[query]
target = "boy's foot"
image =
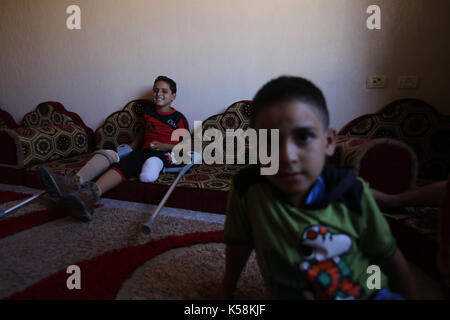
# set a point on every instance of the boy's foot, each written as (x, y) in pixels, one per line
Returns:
(80, 203)
(56, 185)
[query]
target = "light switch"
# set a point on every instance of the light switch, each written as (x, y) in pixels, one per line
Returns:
(376, 81)
(408, 82)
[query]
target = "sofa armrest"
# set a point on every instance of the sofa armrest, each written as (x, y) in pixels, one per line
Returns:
(6, 120)
(23, 147)
(386, 164)
(11, 155)
(443, 256)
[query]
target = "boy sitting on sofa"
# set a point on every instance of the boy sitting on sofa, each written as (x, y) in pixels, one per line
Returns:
(315, 228)
(78, 193)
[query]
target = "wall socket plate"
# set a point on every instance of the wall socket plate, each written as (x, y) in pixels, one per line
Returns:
(376, 81)
(408, 82)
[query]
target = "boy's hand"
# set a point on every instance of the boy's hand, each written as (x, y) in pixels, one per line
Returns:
(159, 146)
(400, 276)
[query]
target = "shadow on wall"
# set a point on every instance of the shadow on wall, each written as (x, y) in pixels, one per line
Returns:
(409, 48)
(148, 94)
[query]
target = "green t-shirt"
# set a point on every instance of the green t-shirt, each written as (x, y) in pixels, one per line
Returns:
(325, 251)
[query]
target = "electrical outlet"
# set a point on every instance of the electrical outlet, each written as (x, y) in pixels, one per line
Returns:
(408, 82)
(376, 81)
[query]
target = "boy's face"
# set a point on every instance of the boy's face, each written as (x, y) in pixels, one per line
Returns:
(303, 147)
(162, 95)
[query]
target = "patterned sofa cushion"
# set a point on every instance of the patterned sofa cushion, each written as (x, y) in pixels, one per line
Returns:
(46, 114)
(214, 181)
(215, 177)
(417, 124)
(52, 113)
(121, 126)
(43, 144)
(202, 188)
(373, 159)
(236, 116)
(15, 155)
(388, 165)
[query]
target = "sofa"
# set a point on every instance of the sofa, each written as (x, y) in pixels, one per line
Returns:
(45, 134)
(417, 124)
(383, 148)
(52, 136)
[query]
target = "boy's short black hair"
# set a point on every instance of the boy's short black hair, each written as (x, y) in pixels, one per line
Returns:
(170, 82)
(288, 88)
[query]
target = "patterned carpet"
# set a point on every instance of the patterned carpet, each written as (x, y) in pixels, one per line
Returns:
(38, 244)
(117, 261)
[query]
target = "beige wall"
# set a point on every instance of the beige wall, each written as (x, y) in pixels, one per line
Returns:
(218, 52)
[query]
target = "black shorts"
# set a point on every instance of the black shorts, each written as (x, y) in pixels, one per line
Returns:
(131, 165)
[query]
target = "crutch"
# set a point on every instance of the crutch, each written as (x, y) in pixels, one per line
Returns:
(17, 206)
(195, 157)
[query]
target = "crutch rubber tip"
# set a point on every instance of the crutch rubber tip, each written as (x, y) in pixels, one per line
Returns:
(146, 229)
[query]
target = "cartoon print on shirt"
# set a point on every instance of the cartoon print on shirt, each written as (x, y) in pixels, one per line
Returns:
(329, 274)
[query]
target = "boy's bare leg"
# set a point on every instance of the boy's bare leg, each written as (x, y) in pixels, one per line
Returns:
(81, 202)
(57, 185)
(96, 165)
(109, 180)
(430, 195)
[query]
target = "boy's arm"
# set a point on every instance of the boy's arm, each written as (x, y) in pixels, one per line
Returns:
(429, 195)
(159, 146)
(238, 237)
(236, 258)
(185, 143)
(378, 243)
(400, 277)
(138, 140)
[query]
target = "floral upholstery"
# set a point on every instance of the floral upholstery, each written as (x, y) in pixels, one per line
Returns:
(427, 133)
(203, 180)
(121, 126)
(46, 114)
(417, 124)
(47, 133)
(236, 116)
(42, 144)
(214, 177)
(388, 165)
